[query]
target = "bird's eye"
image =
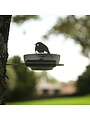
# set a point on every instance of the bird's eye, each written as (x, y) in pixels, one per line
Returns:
(37, 44)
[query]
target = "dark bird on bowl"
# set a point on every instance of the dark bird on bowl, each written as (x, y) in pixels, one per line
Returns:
(41, 48)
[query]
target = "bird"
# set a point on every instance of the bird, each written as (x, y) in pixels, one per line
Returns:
(40, 47)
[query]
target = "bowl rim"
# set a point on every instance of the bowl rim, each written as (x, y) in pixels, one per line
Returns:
(41, 54)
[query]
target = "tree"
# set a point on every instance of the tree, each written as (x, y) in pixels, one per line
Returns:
(22, 81)
(75, 27)
(4, 33)
(83, 82)
(19, 19)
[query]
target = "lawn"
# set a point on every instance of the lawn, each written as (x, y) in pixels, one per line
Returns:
(56, 101)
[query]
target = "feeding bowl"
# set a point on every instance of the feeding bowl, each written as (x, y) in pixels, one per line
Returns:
(41, 61)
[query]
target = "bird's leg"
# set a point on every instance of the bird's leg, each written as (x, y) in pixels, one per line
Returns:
(41, 57)
(35, 52)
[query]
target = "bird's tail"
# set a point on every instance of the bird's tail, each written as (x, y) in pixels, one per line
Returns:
(50, 53)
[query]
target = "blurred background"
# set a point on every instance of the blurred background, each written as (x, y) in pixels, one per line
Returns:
(67, 35)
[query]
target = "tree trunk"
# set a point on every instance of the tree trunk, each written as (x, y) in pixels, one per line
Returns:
(4, 33)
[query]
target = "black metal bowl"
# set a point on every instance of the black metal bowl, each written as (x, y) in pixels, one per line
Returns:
(41, 61)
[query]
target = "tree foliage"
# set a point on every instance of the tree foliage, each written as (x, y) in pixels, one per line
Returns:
(75, 27)
(83, 82)
(22, 18)
(22, 81)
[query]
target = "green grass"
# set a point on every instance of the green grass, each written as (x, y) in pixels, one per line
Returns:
(56, 101)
